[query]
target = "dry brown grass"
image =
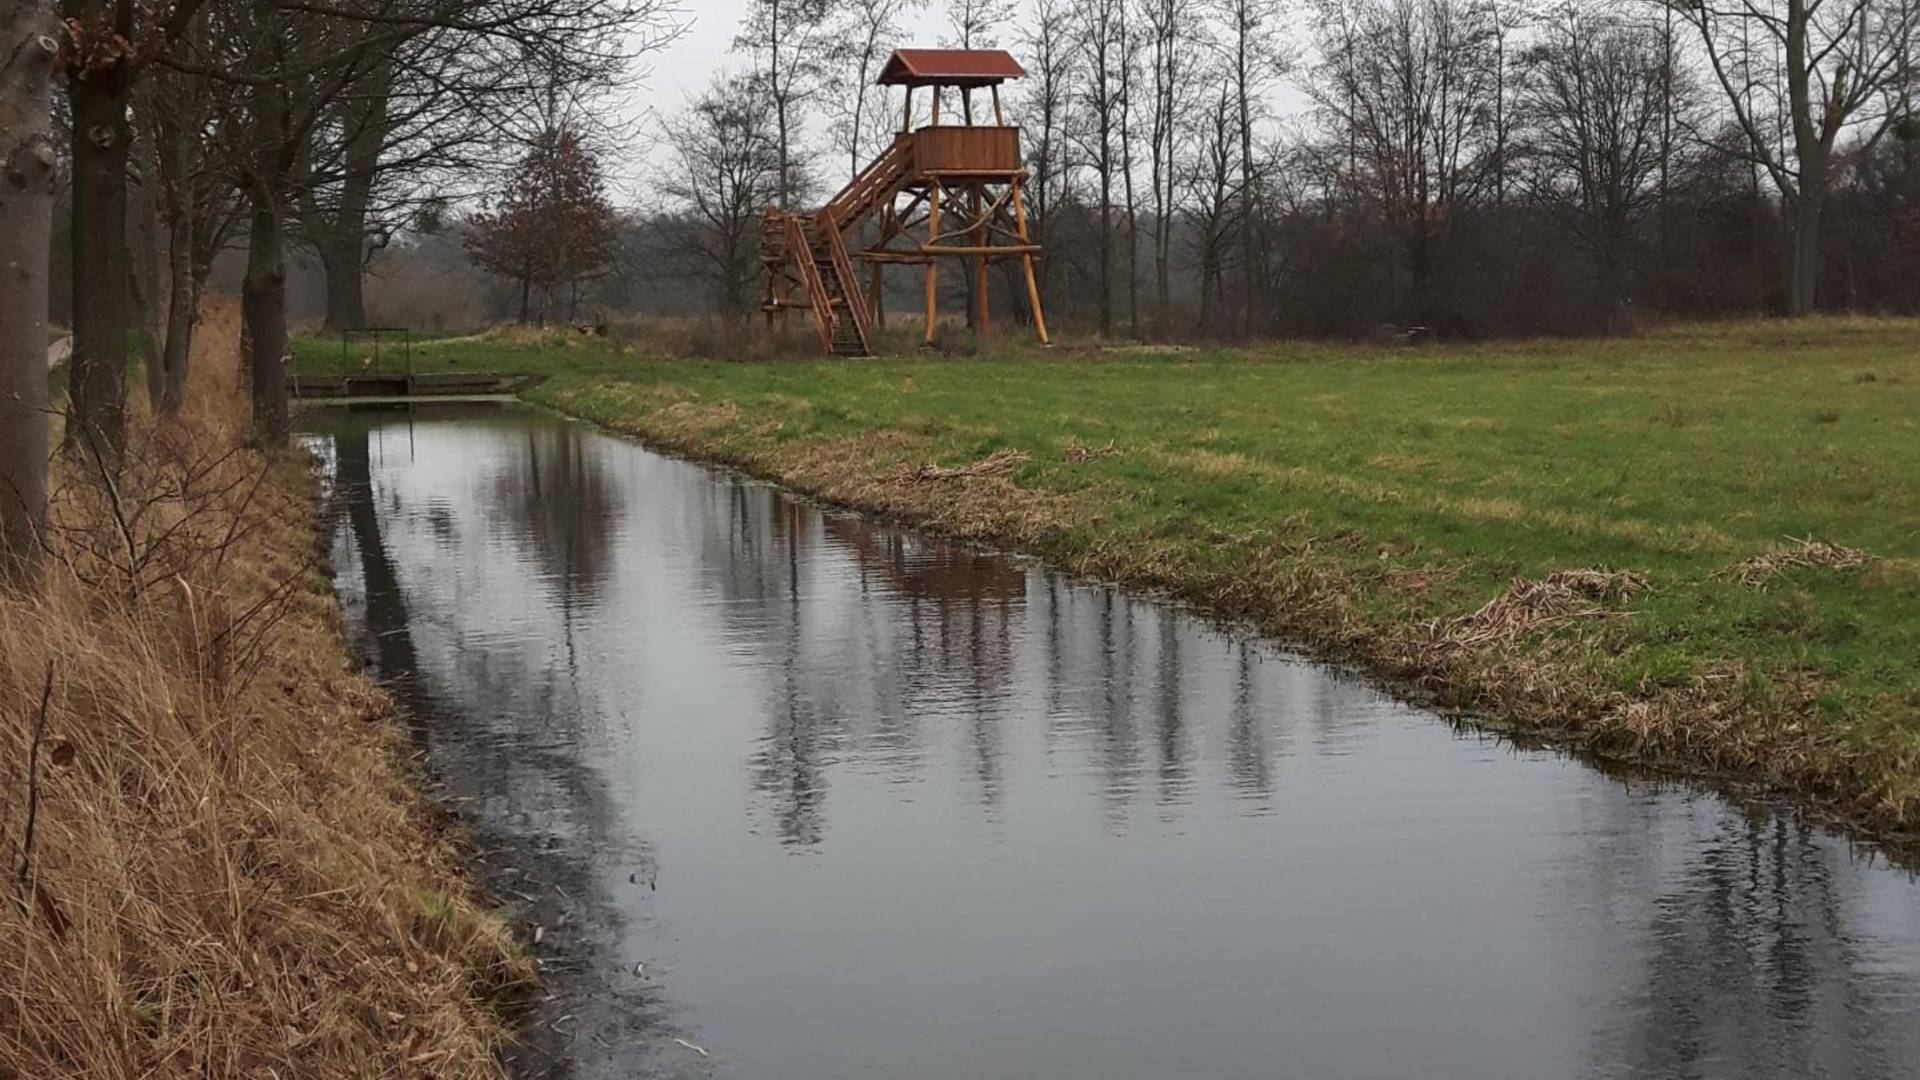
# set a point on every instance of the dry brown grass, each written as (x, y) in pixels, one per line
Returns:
(229, 871)
(998, 463)
(1806, 554)
(1530, 606)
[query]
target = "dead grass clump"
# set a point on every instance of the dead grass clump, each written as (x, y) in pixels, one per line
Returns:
(1806, 553)
(1531, 605)
(227, 870)
(1078, 455)
(1000, 461)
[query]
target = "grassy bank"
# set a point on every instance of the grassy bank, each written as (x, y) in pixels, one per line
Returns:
(1699, 548)
(217, 860)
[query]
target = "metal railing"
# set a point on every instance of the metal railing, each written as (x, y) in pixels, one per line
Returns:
(376, 363)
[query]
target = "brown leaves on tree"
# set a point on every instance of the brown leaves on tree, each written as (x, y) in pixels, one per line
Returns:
(553, 225)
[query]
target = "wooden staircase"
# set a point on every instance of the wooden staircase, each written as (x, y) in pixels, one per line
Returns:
(847, 326)
(813, 250)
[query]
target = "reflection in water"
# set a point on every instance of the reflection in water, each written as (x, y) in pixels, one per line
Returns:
(555, 499)
(863, 803)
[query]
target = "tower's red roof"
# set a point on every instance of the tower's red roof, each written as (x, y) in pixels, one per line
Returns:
(949, 67)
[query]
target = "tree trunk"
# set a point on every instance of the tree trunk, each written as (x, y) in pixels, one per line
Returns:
(1803, 274)
(143, 285)
(1247, 269)
(344, 248)
(1420, 269)
(1613, 279)
(340, 259)
(101, 312)
(263, 300)
(29, 42)
(182, 291)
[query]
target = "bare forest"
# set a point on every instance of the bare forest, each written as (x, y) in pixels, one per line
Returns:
(1235, 169)
(146, 140)
(1197, 169)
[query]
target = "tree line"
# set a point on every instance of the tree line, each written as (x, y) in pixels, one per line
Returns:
(172, 129)
(1242, 168)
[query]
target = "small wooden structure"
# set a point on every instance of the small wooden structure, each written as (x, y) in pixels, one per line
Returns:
(942, 191)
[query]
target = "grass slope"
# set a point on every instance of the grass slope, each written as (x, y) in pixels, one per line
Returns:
(1416, 511)
(229, 870)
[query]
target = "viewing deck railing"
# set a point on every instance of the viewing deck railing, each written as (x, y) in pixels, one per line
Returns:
(975, 150)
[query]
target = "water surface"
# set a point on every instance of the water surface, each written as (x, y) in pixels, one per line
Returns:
(827, 799)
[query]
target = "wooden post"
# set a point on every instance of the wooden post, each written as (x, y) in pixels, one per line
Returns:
(936, 106)
(966, 104)
(980, 326)
(1026, 262)
(999, 117)
(879, 300)
(773, 272)
(933, 232)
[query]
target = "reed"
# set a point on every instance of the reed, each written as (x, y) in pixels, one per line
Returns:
(218, 862)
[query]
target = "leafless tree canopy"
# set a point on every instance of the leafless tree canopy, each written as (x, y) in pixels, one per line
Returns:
(1240, 168)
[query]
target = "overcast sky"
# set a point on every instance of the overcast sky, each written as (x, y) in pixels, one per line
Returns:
(680, 71)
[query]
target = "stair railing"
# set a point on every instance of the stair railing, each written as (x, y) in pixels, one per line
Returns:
(810, 278)
(856, 301)
(846, 209)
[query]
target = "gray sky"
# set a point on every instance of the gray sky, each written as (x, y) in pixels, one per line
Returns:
(683, 69)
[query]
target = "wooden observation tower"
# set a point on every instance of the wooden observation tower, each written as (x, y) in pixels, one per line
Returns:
(943, 191)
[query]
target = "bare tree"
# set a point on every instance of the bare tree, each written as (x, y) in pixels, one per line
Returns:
(868, 32)
(179, 116)
(784, 38)
(1101, 27)
(975, 24)
(1209, 176)
(1052, 61)
(1409, 84)
(1597, 95)
(1507, 21)
(295, 64)
(1172, 30)
(1847, 66)
(112, 43)
(723, 169)
(29, 47)
(1129, 67)
(431, 118)
(1255, 60)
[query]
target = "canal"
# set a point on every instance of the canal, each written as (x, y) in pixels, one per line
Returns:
(795, 794)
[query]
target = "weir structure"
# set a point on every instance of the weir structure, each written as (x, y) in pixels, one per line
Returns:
(942, 191)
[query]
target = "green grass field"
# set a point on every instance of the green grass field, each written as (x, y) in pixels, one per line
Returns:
(1394, 487)
(501, 351)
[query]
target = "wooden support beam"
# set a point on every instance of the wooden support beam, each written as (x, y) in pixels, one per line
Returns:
(1026, 260)
(980, 314)
(966, 250)
(999, 117)
(933, 230)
